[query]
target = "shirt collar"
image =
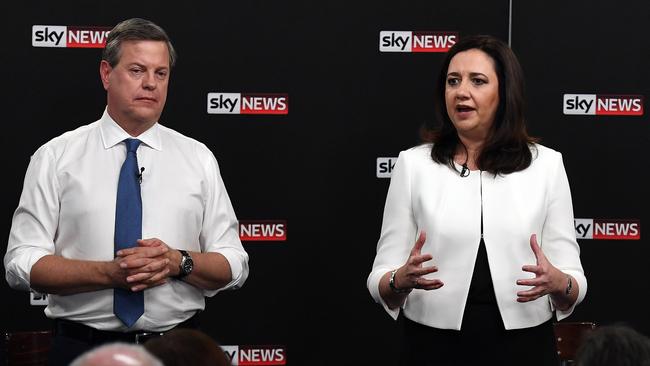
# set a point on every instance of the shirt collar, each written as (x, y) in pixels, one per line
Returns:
(113, 134)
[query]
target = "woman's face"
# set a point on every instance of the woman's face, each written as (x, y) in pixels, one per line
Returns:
(472, 93)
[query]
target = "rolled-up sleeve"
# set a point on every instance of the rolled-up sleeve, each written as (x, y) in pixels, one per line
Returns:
(220, 232)
(34, 222)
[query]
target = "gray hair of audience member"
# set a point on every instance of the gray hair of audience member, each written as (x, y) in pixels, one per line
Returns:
(117, 354)
(135, 29)
(616, 344)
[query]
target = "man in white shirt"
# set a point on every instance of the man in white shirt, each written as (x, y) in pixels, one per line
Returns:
(64, 235)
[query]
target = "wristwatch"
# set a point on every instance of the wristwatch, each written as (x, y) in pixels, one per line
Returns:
(391, 284)
(569, 286)
(187, 264)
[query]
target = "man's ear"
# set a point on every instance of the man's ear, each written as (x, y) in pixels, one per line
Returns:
(104, 72)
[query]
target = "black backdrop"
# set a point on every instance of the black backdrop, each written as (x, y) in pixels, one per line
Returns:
(349, 104)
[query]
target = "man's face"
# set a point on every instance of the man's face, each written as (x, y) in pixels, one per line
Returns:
(137, 86)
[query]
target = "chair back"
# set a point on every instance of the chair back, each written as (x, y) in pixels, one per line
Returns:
(27, 348)
(568, 337)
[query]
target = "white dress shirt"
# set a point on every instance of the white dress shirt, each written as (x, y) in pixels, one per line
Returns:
(431, 197)
(67, 208)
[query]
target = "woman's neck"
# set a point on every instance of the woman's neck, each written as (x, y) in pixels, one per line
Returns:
(468, 152)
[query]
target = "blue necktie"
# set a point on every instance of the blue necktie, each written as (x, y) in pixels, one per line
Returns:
(128, 306)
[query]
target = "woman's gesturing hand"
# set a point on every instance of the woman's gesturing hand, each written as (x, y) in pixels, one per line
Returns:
(410, 275)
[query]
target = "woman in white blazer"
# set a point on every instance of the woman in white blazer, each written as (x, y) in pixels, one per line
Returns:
(477, 247)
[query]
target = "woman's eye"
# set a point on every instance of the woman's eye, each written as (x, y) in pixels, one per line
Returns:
(453, 81)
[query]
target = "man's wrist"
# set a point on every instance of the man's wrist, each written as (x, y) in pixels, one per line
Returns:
(569, 286)
(186, 265)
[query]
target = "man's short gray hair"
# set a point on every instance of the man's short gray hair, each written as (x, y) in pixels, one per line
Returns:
(134, 29)
(117, 354)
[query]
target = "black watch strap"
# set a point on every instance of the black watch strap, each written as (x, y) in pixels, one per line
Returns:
(187, 264)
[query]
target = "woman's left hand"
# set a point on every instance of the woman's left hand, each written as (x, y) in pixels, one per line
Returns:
(548, 279)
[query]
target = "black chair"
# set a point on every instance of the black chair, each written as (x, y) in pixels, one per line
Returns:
(27, 348)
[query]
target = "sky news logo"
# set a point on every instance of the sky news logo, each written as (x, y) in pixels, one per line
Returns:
(37, 299)
(407, 41)
(385, 167)
(603, 105)
(256, 355)
(248, 103)
(69, 36)
(608, 229)
(263, 230)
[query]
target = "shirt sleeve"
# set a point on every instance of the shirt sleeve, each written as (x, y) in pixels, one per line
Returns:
(559, 238)
(220, 231)
(398, 231)
(34, 222)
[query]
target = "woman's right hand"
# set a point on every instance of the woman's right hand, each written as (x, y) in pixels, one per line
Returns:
(410, 275)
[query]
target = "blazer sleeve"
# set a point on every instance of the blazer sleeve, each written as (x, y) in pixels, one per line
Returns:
(398, 230)
(558, 235)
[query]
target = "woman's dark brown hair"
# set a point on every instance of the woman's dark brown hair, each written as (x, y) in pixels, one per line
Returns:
(507, 147)
(187, 347)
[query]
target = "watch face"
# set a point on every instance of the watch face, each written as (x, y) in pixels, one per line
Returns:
(188, 265)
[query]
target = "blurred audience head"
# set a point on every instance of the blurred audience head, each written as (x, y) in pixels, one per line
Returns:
(617, 344)
(117, 354)
(180, 347)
